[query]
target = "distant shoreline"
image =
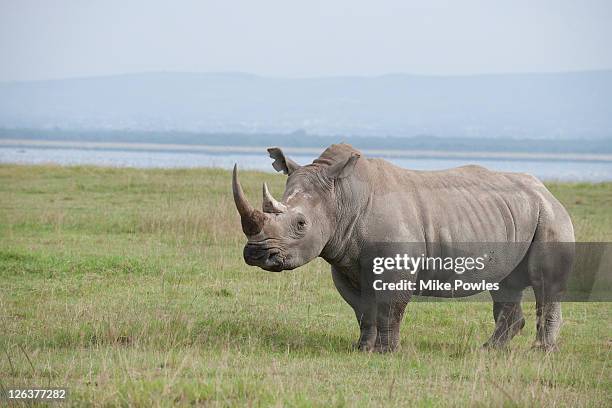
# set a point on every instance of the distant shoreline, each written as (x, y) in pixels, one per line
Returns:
(403, 153)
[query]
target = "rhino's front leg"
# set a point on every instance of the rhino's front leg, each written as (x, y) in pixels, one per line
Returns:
(366, 316)
(368, 332)
(390, 313)
(380, 325)
(379, 314)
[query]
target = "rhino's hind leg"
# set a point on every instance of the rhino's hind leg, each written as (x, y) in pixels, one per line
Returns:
(509, 321)
(549, 267)
(549, 321)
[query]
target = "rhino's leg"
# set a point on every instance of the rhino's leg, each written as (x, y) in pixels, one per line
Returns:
(368, 332)
(388, 322)
(365, 317)
(509, 321)
(507, 310)
(380, 325)
(549, 267)
(548, 325)
(379, 316)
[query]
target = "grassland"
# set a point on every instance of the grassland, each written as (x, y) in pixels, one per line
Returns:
(128, 287)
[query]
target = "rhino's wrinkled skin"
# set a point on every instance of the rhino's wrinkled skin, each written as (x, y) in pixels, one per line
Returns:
(344, 205)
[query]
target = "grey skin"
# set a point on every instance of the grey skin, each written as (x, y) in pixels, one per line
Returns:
(345, 207)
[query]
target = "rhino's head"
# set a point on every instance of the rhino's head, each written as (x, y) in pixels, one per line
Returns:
(289, 233)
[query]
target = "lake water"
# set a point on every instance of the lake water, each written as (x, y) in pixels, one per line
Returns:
(569, 170)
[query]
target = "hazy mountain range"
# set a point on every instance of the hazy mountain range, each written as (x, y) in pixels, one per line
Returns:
(572, 105)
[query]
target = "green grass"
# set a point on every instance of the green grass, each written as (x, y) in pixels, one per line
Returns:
(128, 287)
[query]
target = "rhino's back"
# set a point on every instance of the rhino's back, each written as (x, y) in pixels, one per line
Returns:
(464, 204)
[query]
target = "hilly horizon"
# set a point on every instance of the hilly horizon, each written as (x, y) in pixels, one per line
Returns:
(570, 105)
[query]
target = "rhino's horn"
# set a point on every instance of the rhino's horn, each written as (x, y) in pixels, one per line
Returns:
(252, 220)
(270, 205)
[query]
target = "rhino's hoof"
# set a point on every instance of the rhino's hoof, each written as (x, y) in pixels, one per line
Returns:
(547, 348)
(384, 349)
(495, 345)
(363, 347)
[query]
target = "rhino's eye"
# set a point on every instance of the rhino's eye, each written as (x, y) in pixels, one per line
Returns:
(300, 224)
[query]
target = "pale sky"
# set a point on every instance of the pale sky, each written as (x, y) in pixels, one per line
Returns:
(75, 38)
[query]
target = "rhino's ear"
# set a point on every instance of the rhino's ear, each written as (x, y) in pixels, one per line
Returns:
(282, 162)
(344, 168)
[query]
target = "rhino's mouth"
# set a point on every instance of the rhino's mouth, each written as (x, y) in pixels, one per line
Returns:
(268, 258)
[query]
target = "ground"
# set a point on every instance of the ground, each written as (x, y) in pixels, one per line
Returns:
(128, 287)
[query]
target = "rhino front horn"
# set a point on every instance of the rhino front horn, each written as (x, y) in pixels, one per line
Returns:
(270, 205)
(252, 220)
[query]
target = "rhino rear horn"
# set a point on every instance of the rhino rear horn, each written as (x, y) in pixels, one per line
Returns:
(270, 205)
